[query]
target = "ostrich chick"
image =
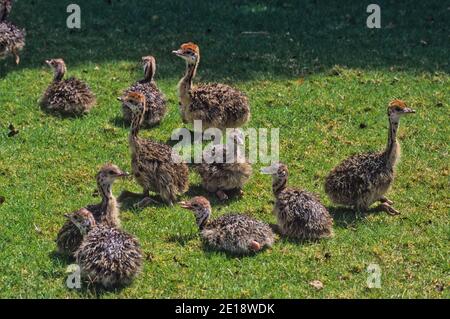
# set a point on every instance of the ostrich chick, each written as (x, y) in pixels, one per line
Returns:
(67, 97)
(12, 38)
(300, 214)
(363, 179)
(224, 167)
(155, 99)
(234, 233)
(107, 212)
(155, 166)
(107, 255)
(5, 9)
(215, 104)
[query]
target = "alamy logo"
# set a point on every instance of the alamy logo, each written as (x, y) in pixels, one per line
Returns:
(190, 146)
(374, 19)
(73, 280)
(74, 19)
(374, 278)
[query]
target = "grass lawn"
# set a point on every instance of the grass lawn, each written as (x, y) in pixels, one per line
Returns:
(316, 72)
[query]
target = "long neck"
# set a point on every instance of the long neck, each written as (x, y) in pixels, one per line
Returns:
(60, 70)
(105, 192)
(185, 84)
(110, 208)
(278, 184)
(5, 8)
(3, 14)
(234, 152)
(149, 72)
(202, 218)
(136, 121)
(393, 148)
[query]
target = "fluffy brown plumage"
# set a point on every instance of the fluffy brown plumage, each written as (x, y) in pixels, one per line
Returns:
(155, 166)
(216, 105)
(107, 255)
(155, 99)
(234, 233)
(67, 97)
(224, 167)
(107, 212)
(363, 179)
(299, 213)
(12, 38)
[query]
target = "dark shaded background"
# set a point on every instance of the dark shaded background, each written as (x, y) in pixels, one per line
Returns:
(292, 38)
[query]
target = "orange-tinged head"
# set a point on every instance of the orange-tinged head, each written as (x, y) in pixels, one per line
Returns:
(189, 51)
(135, 97)
(190, 46)
(398, 107)
(135, 101)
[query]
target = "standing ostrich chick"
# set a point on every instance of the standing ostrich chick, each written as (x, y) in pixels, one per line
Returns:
(215, 104)
(12, 38)
(363, 179)
(155, 166)
(299, 213)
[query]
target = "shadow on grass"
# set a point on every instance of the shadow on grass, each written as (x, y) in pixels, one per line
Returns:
(211, 253)
(119, 122)
(60, 259)
(347, 218)
(285, 39)
(59, 115)
(128, 201)
(182, 239)
(285, 239)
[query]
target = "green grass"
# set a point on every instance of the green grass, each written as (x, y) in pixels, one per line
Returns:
(317, 74)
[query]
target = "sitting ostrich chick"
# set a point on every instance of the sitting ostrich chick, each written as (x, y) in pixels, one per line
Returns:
(155, 166)
(107, 255)
(215, 104)
(363, 179)
(234, 233)
(224, 167)
(107, 212)
(67, 97)
(12, 38)
(300, 214)
(155, 99)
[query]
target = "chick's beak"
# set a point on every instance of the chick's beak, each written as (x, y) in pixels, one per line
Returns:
(409, 111)
(178, 52)
(185, 204)
(123, 174)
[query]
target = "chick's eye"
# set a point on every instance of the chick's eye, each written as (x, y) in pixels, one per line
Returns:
(111, 172)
